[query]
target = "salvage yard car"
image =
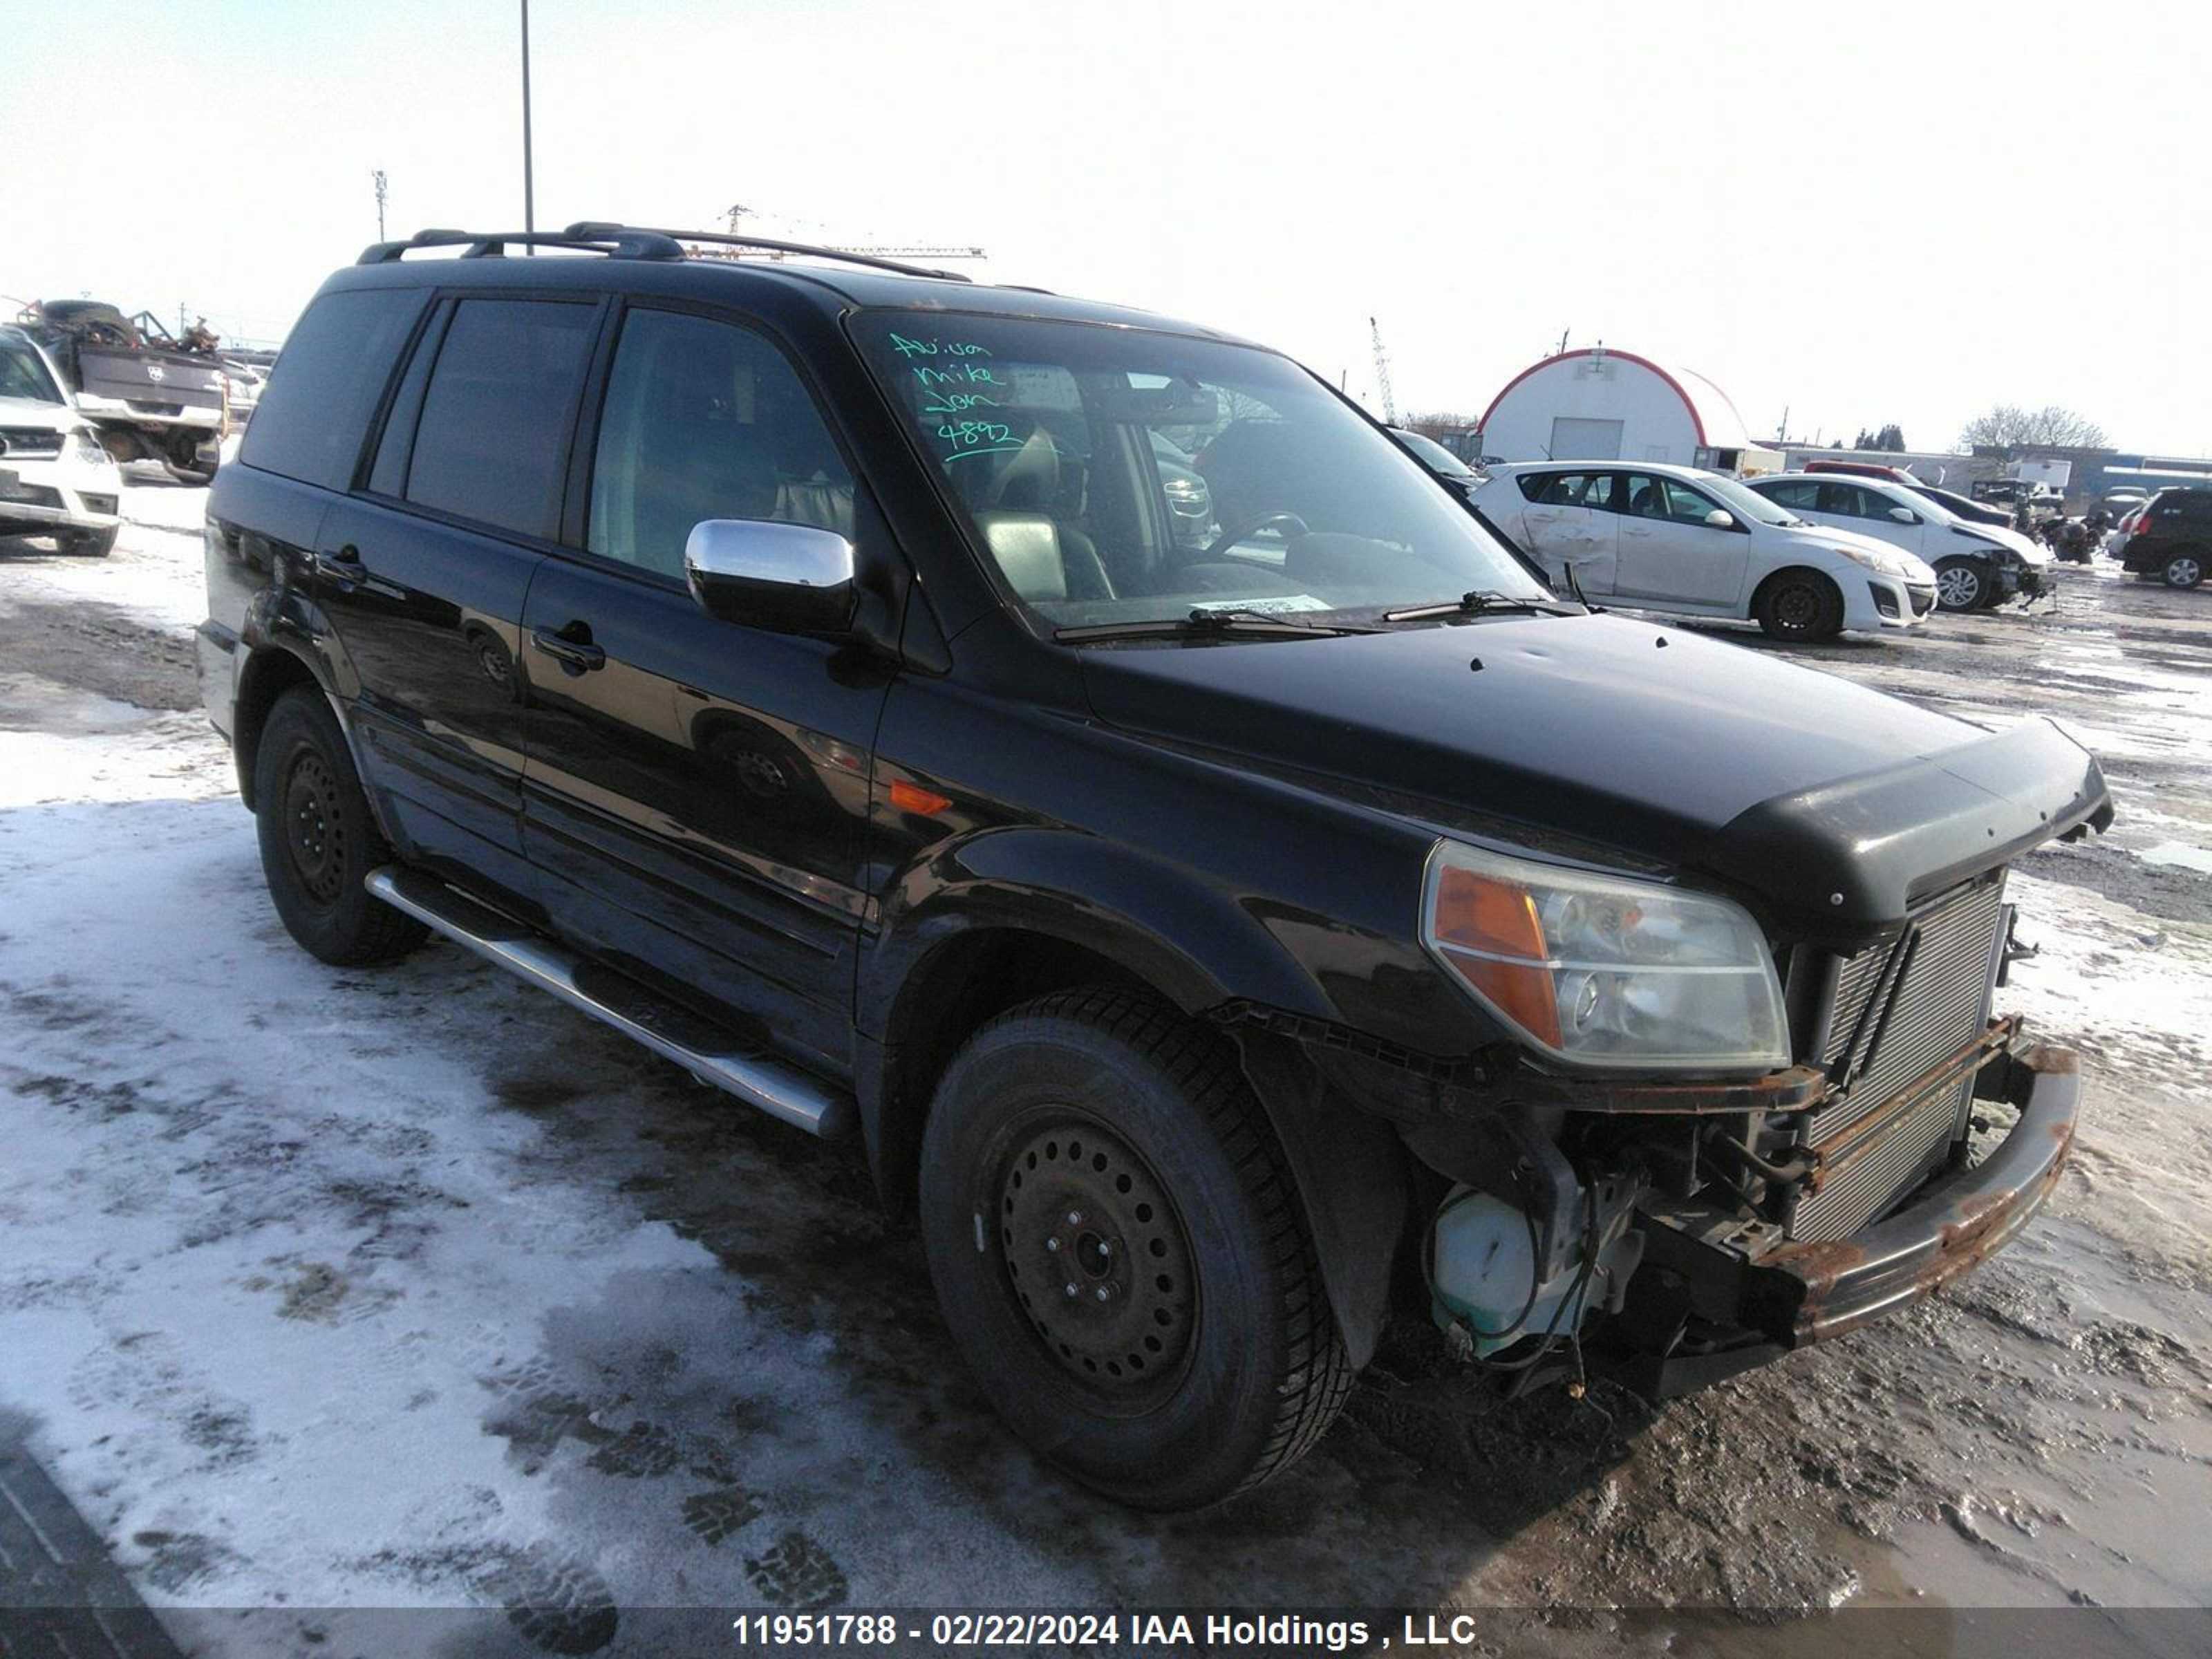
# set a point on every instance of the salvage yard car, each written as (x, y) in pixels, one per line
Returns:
(1977, 565)
(2170, 540)
(797, 667)
(1683, 539)
(55, 477)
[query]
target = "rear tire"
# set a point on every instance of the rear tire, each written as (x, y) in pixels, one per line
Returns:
(1962, 584)
(1096, 1139)
(91, 543)
(2183, 569)
(1801, 606)
(319, 841)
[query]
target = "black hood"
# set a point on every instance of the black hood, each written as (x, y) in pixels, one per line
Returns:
(1677, 748)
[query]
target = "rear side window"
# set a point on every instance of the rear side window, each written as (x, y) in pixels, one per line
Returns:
(493, 441)
(1798, 497)
(324, 388)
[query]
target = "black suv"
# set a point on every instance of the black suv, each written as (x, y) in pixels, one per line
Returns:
(2172, 540)
(802, 668)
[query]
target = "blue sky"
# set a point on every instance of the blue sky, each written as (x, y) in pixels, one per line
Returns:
(1871, 214)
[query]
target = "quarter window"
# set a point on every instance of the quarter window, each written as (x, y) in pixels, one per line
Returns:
(706, 420)
(1590, 489)
(325, 386)
(493, 441)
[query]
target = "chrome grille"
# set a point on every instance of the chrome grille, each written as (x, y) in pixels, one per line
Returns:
(1896, 1011)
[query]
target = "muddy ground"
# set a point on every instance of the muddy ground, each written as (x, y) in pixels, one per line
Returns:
(336, 1289)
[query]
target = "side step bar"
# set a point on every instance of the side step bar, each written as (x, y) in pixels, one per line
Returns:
(707, 1052)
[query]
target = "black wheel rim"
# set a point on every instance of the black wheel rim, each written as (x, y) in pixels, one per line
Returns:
(1797, 610)
(314, 831)
(1096, 1258)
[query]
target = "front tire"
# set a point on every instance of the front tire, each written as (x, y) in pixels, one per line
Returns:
(1962, 584)
(91, 543)
(1800, 606)
(319, 841)
(1120, 1254)
(2183, 569)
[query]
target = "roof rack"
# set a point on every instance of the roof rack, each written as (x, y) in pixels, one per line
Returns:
(615, 240)
(597, 230)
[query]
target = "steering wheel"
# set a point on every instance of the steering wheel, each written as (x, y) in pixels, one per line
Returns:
(1236, 533)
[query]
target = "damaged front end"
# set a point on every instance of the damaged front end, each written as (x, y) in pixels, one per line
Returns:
(1680, 1226)
(1688, 1231)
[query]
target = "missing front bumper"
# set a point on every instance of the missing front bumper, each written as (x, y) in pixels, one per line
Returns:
(1808, 1292)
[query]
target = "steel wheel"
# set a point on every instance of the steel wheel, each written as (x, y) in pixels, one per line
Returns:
(314, 827)
(1096, 1255)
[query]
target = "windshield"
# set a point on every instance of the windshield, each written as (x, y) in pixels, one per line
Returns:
(1434, 455)
(1058, 441)
(1745, 503)
(24, 375)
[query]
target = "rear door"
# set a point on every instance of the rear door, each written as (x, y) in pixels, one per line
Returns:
(1669, 553)
(1569, 520)
(421, 575)
(696, 792)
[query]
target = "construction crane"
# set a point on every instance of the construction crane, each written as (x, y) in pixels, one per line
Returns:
(739, 211)
(1382, 375)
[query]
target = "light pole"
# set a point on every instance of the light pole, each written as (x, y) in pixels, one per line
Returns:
(529, 195)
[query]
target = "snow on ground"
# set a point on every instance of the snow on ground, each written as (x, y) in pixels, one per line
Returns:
(339, 1290)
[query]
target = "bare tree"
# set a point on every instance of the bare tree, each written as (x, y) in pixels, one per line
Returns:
(2052, 425)
(1441, 423)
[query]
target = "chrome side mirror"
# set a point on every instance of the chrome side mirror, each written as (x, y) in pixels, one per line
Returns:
(786, 577)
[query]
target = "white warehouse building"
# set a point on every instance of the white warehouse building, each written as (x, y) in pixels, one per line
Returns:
(1597, 404)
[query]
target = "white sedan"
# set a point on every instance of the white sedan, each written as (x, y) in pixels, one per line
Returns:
(1976, 565)
(1679, 538)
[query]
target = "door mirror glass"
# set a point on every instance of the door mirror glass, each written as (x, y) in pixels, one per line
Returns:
(786, 577)
(1720, 519)
(1903, 515)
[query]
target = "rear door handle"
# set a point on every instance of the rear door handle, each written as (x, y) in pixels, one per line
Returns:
(571, 646)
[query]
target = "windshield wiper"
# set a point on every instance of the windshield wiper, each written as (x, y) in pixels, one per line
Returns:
(1209, 624)
(1479, 602)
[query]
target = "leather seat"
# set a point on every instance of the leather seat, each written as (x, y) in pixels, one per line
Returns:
(1042, 560)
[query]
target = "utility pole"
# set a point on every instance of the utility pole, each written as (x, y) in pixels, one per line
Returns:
(377, 177)
(529, 192)
(1562, 344)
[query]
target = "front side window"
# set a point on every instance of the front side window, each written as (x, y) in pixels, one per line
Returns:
(1047, 436)
(1684, 504)
(493, 441)
(24, 375)
(706, 420)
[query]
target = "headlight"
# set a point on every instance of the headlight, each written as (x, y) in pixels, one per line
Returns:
(1602, 970)
(1889, 564)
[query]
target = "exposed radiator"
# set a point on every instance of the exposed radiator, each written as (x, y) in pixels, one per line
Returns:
(1894, 1012)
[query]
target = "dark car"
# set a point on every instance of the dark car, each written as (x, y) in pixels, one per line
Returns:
(1971, 510)
(1454, 474)
(1215, 949)
(2172, 538)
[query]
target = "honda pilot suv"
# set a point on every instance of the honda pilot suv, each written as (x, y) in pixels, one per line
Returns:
(1218, 945)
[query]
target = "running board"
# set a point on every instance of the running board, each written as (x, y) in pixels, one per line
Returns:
(709, 1053)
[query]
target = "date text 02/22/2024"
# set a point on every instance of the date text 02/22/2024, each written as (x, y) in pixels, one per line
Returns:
(1270, 1631)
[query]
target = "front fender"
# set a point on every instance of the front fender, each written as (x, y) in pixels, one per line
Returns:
(1189, 939)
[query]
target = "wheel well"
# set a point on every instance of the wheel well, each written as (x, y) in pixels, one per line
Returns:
(1758, 595)
(951, 991)
(269, 675)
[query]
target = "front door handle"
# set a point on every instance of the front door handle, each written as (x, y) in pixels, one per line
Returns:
(343, 566)
(571, 646)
